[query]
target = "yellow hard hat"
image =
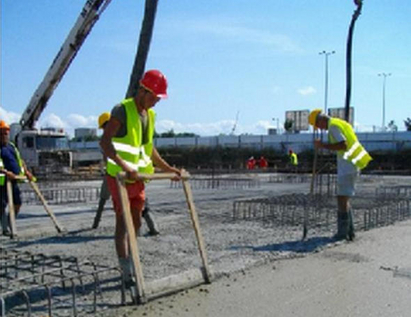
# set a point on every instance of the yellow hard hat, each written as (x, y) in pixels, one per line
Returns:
(103, 118)
(312, 118)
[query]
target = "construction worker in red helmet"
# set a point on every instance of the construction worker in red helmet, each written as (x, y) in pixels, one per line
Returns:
(11, 166)
(105, 193)
(351, 158)
(127, 142)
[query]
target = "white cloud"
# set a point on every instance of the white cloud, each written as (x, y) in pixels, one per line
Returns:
(213, 128)
(52, 121)
(307, 91)
(74, 121)
(79, 121)
(9, 116)
(225, 28)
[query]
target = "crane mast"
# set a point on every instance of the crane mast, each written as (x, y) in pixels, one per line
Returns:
(85, 22)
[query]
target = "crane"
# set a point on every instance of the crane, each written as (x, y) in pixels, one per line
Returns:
(235, 123)
(30, 141)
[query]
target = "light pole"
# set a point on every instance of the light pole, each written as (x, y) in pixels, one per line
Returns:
(278, 124)
(384, 78)
(326, 54)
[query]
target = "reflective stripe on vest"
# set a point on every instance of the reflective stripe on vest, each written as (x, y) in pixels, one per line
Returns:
(2, 176)
(130, 148)
(18, 156)
(355, 152)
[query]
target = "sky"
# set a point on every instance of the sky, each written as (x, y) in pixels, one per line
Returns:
(233, 66)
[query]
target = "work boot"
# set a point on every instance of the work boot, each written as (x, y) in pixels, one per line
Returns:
(351, 229)
(125, 265)
(152, 227)
(5, 224)
(342, 226)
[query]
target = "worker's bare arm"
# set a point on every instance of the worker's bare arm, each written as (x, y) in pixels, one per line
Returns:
(162, 164)
(340, 146)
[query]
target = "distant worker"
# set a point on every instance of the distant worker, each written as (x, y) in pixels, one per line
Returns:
(351, 158)
(263, 163)
(105, 193)
(11, 166)
(293, 160)
(127, 142)
(251, 163)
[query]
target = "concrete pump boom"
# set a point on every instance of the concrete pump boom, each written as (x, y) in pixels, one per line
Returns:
(85, 22)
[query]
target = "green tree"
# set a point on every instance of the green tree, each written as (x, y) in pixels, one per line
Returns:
(392, 126)
(288, 125)
(408, 124)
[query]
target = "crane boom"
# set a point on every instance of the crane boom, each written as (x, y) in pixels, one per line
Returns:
(85, 22)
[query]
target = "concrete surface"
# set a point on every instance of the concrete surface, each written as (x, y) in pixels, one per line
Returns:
(315, 282)
(369, 277)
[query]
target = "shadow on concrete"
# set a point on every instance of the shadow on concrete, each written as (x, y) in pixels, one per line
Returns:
(299, 246)
(68, 238)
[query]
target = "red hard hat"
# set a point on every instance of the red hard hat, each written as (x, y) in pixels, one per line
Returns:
(154, 81)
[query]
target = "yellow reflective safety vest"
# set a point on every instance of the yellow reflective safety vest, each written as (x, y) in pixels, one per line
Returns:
(355, 153)
(19, 161)
(2, 176)
(294, 159)
(131, 148)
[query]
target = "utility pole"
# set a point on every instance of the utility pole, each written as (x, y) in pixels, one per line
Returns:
(384, 79)
(326, 54)
(354, 18)
(146, 34)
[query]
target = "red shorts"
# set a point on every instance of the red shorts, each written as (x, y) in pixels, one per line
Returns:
(135, 192)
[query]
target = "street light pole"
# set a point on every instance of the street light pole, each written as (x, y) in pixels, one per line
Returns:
(326, 54)
(384, 78)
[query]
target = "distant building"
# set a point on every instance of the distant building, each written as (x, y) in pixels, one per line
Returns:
(85, 133)
(272, 131)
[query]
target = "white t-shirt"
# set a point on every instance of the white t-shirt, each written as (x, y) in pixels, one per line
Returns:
(344, 167)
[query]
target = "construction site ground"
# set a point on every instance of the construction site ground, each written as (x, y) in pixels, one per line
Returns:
(234, 244)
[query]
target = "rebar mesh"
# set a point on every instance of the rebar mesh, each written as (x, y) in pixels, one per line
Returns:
(220, 183)
(57, 196)
(39, 285)
(289, 210)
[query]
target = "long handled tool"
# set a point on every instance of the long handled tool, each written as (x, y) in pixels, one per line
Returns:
(36, 189)
(314, 172)
(194, 220)
(12, 215)
(140, 296)
(141, 292)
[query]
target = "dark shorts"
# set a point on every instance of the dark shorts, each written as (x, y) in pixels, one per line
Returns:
(4, 197)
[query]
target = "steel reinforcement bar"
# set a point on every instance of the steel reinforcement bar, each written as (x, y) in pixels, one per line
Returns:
(288, 210)
(220, 183)
(62, 195)
(39, 285)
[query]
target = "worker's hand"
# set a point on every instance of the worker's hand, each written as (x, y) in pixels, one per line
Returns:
(30, 176)
(318, 144)
(11, 176)
(132, 175)
(178, 173)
